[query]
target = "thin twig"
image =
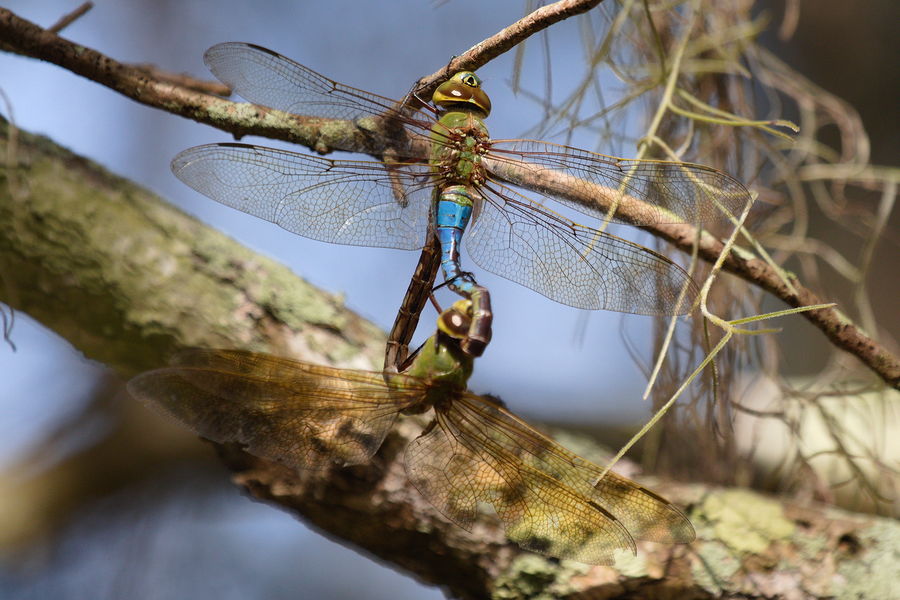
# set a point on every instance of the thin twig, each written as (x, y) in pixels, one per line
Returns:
(70, 18)
(506, 39)
(204, 86)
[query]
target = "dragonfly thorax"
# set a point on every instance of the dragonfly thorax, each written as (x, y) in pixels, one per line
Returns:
(459, 140)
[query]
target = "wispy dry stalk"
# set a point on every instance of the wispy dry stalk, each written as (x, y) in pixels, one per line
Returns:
(726, 110)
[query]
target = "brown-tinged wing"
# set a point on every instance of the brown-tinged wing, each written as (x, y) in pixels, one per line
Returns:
(304, 415)
(645, 514)
(459, 464)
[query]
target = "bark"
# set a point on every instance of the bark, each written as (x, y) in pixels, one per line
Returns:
(127, 279)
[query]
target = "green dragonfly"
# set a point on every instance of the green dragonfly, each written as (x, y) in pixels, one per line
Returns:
(438, 170)
(473, 454)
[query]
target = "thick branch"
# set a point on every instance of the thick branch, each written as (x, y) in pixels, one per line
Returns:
(324, 135)
(127, 278)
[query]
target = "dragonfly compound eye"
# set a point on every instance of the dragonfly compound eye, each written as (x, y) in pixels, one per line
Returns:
(470, 80)
(455, 320)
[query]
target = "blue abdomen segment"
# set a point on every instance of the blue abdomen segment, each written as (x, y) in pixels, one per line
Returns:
(454, 209)
(451, 214)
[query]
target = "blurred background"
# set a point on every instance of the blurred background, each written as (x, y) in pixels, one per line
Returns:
(160, 518)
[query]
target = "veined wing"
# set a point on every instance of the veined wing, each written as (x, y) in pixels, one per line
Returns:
(644, 192)
(360, 203)
(303, 415)
(270, 79)
(645, 515)
(456, 465)
(524, 241)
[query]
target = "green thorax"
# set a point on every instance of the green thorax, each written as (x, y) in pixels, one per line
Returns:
(442, 362)
(460, 137)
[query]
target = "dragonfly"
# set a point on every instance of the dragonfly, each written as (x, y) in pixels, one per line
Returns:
(441, 180)
(473, 454)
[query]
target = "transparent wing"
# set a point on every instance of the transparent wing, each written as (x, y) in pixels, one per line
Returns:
(526, 242)
(303, 415)
(645, 515)
(270, 79)
(360, 203)
(646, 192)
(457, 465)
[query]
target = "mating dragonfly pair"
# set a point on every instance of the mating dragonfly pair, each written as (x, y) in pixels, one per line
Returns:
(439, 170)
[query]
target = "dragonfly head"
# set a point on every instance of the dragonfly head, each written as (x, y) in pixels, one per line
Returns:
(440, 359)
(463, 90)
(454, 322)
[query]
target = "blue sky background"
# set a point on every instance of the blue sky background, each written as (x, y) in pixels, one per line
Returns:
(542, 371)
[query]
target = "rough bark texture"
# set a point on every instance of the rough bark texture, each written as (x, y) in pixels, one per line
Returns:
(126, 279)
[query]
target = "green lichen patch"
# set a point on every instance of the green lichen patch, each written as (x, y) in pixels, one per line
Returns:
(746, 522)
(715, 567)
(872, 571)
(810, 544)
(147, 278)
(536, 578)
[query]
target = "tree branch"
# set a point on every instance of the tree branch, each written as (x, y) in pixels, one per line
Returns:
(506, 39)
(323, 135)
(128, 279)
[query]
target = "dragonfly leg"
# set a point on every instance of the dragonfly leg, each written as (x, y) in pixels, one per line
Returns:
(435, 304)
